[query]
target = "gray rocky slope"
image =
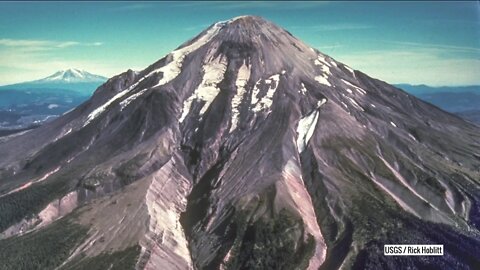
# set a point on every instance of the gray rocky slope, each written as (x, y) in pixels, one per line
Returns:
(243, 149)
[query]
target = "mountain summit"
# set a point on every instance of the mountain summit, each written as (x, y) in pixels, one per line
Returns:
(71, 79)
(71, 75)
(244, 148)
(28, 104)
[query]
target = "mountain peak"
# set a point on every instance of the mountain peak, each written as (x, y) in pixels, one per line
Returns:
(251, 29)
(74, 71)
(71, 75)
(247, 19)
(249, 39)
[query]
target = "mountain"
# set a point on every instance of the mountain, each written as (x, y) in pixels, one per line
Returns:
(470, 115)
(73, 79)
(462, 100)
(71, 76)
(244, 148)
(423, 89)
(32, 103)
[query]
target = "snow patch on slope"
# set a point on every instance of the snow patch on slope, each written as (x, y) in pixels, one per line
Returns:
(323, 80)
(255, 92)
(169, 72)
(303, 90)
(242, 79)
(208, 89)
(265, 102)
(358, 89)
(326, 69)
(172, 69)
(321, 102)
(306, 127)
(98, 111)
(131, 98)
(320, 61)
(349, 69)
(353, 102)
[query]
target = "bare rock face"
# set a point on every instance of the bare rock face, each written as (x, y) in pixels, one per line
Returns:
(242, 149)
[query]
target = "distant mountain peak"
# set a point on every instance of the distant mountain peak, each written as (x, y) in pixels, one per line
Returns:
(71, 75)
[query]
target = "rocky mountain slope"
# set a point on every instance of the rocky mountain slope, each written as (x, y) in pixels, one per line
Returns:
(242, 149)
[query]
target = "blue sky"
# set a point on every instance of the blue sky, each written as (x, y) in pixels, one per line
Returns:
(435, 43)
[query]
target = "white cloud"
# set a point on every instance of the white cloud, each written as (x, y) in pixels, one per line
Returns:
(435, 46)
(43, 44)
(19, 65)
(332, 27)
(415, 66)
(26, 59)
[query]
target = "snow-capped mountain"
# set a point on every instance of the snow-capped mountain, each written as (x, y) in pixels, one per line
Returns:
(70, 79)
(30, 103)
(71, 76)
(242, 149)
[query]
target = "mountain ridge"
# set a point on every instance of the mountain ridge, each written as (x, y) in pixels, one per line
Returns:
(463, 101)
(419, 89)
